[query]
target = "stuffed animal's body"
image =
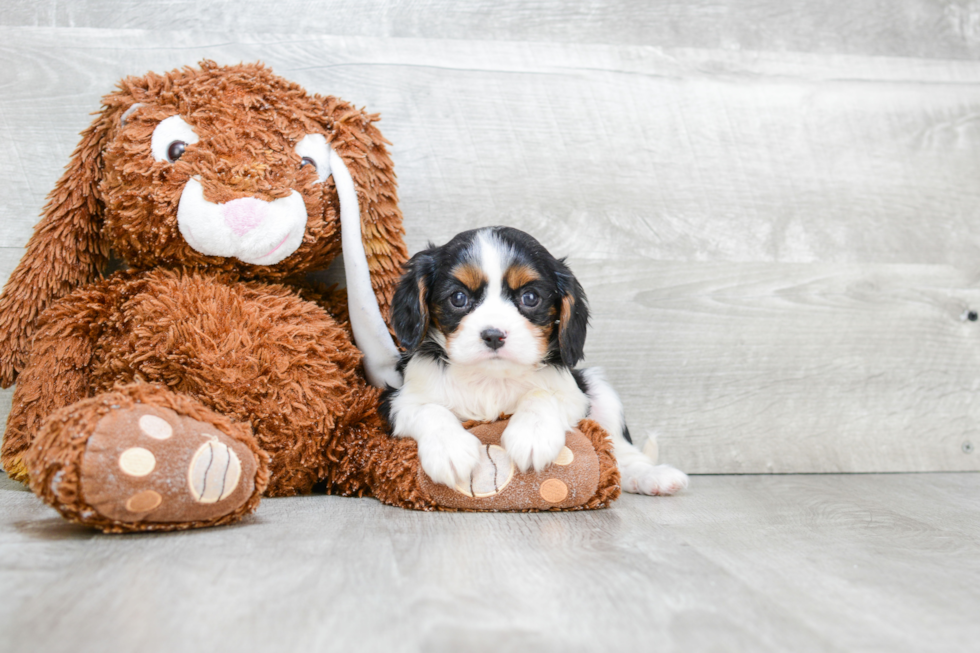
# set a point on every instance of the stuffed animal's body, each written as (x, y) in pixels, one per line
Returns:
(176, 392)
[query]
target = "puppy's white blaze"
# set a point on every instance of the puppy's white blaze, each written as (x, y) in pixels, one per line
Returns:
(256, 232)
(370, 331)
(497, 312)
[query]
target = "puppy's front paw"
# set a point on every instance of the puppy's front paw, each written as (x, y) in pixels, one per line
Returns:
(532, 442)
(645, 478)
(448, 457)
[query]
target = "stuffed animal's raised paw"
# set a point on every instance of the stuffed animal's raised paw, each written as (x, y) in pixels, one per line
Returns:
(141, 465)
(641, 477)
(579, 476)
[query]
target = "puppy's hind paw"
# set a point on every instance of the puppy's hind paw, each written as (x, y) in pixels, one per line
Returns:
(654, 480)
(449, 458)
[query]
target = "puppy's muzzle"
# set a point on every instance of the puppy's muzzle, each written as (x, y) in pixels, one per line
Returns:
(493, 338)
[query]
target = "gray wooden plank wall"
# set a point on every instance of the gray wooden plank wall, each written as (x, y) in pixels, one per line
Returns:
(773, 205)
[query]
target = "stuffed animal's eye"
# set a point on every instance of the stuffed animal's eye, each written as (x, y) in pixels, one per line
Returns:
(458, 299)
(176, 150)
(530, 299)
(170, 138)
(314, 150)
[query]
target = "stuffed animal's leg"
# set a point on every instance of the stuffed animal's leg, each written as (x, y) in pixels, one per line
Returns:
(143, 458)
(56, 376)
(639, 474)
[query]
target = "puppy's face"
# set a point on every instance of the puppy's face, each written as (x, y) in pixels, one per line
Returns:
(492, 297)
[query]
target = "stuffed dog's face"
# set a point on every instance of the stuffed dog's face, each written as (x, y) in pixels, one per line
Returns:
(224, 168)
(493, 297)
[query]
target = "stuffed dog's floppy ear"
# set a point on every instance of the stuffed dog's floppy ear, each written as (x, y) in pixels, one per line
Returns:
(410, 307)
(371, 233)
(573, 317)
(362, 147)
(66, 249)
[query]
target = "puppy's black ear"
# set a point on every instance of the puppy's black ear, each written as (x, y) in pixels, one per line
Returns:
(573, 316)
(410, 306)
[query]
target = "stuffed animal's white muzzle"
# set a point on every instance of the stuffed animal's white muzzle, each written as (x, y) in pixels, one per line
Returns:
(249, 229)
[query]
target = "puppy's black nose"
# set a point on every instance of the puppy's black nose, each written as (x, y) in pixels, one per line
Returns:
(494, 338)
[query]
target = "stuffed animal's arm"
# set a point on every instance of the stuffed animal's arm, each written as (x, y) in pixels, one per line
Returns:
(58, 370)
(332, 299)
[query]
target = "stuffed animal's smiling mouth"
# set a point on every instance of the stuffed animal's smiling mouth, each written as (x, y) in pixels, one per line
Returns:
(249, 229)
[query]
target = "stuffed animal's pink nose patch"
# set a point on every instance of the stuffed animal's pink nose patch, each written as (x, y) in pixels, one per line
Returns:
(243, 215)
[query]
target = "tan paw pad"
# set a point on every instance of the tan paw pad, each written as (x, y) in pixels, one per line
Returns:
(492, 473)
(214, 472)
(156, 428)
(553, 491)
(144, 501)
(565, 457)
(137, 461)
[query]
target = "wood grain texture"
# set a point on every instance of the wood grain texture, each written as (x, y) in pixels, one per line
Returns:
(777, 563)
(920, 28)
(802, 226)
(767, 367)
(623, 151)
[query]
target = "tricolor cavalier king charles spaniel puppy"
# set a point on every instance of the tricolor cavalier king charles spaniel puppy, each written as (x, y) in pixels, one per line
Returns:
(493, 324)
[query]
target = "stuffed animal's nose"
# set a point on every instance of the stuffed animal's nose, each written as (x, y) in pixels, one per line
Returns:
(494, 338)
(244, 214)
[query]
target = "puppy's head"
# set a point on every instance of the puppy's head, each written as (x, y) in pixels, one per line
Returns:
(491, 296)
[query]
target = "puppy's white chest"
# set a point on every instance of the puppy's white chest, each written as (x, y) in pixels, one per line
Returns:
(484, 398)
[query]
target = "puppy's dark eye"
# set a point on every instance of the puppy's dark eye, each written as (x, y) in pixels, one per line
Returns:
(307, 161)
(176, 150)
(458, 299)
(530, 299)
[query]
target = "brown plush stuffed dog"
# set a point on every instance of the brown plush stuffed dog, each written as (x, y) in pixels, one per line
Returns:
(173, 394)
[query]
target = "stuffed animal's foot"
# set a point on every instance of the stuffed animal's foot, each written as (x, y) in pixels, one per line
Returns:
(496, 482)
(642, 477)
(143, 458)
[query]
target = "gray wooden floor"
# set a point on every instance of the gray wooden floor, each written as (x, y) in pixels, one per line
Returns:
(738, 563)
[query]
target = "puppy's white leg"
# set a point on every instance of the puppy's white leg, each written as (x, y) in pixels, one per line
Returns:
(638, 473)
(448, 452)
(536, 432)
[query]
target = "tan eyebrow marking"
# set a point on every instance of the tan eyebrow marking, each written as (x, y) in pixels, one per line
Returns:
(470, 276)
(520, 275)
